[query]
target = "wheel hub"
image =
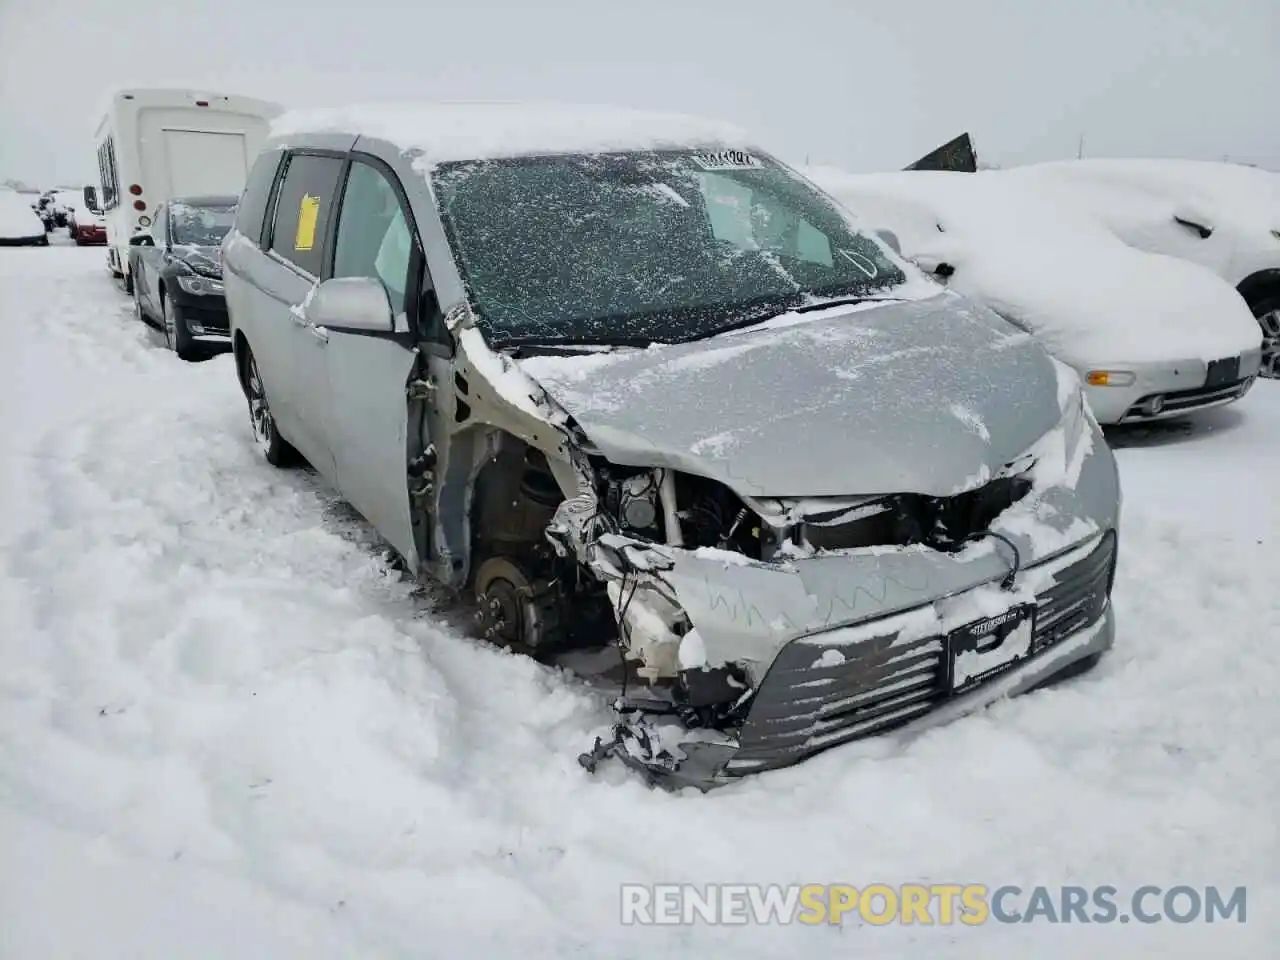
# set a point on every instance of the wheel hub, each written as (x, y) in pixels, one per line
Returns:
(259, 412)
(510, 605)
(1270, 324)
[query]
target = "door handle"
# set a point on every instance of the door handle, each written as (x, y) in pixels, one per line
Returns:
(320, 333)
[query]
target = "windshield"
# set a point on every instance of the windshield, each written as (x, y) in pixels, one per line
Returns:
(200, 226)
(643, 247)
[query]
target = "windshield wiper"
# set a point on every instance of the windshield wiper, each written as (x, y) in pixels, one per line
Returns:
(519, 347)
(776, 309)
(842, 302)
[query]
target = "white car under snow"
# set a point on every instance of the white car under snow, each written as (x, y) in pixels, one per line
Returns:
(1223, 216)
(19, 224)
(1152, 336)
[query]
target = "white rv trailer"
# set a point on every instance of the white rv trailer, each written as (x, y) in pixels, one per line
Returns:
(155, 144)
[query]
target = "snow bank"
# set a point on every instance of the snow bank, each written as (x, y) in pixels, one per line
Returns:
(230, 730)
(468, 131)
(1092, 299)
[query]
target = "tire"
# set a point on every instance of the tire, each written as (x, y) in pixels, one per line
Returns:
(138, 313)
(176, 336)
(276, 450)
(1266, 310)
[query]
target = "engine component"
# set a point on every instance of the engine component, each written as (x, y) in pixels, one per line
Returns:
(637, 501)
(651, 627)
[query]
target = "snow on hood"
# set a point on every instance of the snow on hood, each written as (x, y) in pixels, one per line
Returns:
(1246, 197)
(201, 259)
(1088, 296)
(17, 219)
(927, 396)
(468, 131)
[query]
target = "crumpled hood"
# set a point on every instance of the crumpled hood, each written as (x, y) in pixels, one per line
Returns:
(927, 396)
(203, 260)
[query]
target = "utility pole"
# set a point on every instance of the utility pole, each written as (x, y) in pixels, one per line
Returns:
(1080, 148)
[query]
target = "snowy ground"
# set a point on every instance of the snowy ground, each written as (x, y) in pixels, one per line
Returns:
(227, 730)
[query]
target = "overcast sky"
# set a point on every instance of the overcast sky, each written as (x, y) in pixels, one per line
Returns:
(848, 83)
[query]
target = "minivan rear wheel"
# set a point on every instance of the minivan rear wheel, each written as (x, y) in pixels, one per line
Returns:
(275, 448)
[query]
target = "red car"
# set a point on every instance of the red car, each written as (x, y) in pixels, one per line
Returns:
(86, 226)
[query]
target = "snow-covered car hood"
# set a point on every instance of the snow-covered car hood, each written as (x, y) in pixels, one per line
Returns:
(1091, 298)
(17, 219)
(203, 260)
(929, 396)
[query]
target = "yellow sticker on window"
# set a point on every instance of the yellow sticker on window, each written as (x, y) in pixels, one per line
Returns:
(308, 213)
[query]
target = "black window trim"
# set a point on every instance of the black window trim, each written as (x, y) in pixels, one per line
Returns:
(269, 221)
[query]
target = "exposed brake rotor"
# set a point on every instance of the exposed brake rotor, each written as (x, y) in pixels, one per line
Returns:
(513, 609)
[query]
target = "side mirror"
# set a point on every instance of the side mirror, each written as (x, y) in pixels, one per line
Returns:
(91, 198)
(1195, 219)
(935, 265)
(891, 240)
(351, 303)
(142, 240)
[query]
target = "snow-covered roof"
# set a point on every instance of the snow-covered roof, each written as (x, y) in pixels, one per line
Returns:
(465, 131)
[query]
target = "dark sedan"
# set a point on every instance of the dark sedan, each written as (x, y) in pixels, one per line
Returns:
(177, 277)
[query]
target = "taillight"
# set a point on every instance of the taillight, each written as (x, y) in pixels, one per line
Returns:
(139, 204)
(202, 103)
(136, 190)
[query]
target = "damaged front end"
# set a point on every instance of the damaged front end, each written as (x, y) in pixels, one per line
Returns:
(765, 631)
(756, 630)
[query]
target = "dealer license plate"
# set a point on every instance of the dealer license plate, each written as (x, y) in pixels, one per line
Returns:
(982, 649)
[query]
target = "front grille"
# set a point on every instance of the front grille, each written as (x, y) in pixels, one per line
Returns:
(810, 700)
(1181, 401)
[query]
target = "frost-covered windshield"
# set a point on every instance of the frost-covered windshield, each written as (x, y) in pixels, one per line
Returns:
(202, 226)
(642, 247)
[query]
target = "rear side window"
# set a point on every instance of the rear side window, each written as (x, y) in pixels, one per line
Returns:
(303, 207)
(257, 193)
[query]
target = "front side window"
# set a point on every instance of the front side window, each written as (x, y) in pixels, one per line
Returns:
(640, 247)
(373, 238)
(199, 226)
(303, 206)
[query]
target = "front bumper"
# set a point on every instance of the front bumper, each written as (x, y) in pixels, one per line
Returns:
(854, 643)
(204, 317)
(1180, 386)
(90, 234)
(848, 684)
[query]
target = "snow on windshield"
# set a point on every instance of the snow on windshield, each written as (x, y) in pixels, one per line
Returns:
(640, 247)
(200, 226)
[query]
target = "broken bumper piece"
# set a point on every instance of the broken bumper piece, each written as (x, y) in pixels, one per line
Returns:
(906, 671)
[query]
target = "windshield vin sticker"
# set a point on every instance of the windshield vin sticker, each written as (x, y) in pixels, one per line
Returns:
(726, 160)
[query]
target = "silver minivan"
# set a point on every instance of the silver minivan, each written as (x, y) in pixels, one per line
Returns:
(625, 381)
